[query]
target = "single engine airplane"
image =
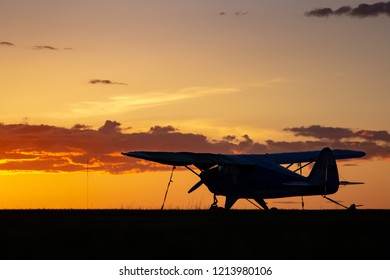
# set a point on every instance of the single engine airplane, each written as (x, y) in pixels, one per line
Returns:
(259, 176)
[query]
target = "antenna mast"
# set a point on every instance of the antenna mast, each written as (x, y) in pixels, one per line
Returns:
(88, 184)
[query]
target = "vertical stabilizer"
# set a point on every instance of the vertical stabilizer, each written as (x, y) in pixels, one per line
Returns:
(325, 173)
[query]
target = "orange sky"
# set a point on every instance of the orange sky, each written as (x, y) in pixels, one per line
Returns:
(81, 82)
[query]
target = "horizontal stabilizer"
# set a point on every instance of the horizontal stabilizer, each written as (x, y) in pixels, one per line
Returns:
(344, 183)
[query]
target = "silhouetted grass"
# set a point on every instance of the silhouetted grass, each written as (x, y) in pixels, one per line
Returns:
(194, 234)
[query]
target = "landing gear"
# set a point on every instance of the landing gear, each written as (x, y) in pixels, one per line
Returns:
(214, 205)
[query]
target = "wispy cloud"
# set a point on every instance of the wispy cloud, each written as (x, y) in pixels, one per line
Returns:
(363, 10)
(38, 47)
(270, 83)
(50, 48)
(131, 102)
(9, 44)
(237, 13)
(46, 148)
(104, 82)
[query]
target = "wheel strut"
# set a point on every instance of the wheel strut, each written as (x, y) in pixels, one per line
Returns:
(214, 205)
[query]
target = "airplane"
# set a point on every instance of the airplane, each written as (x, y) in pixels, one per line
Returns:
(259, 176)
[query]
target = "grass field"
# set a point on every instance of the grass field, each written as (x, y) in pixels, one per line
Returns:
(194, 234)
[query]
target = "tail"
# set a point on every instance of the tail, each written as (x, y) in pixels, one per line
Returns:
(325, 173)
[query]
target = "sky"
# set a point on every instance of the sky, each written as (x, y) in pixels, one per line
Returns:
(83, 81)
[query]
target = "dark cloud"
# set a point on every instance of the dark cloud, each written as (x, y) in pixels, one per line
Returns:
(320, 12)
(322, 132)
(110, 127)
(58, 149)
(229, 138)
(363, 10)
(45, 48)
(343, 10)
(7, 44)
(247, 145)
(376, 144)
(50, 48)
(161, 129)
(237, 13)
(26, 147)
(104, 82)
(81, 126)
(290, 146)
(40, 47)
(371, 135)
(338, 133)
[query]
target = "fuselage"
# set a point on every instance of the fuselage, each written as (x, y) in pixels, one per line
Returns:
(256, 181)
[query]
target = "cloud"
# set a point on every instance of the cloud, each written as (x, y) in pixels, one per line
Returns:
(376, 143)
(338, 133)
(371, 135)
(104, 82)
(45, 148)
(237, 13)
(40, 47)
(110, 127)
(162, 130)
(81, 126)
(135, 101)
(322, 132)
(45, 48)
(363, 10)
(230, 138)
(320, 12)
(271, 83)
(9, 44)
(51, 48)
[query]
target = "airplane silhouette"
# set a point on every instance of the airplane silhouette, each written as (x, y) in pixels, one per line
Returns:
(259, 176)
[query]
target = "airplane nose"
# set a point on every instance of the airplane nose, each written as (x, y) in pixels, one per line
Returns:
(207, 175)
(204, 176)
(210, 179)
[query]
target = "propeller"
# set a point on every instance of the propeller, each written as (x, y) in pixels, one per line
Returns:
(197, 185)
(201, 182)
(205, 176)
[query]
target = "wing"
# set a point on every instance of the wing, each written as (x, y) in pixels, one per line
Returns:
(311, 156)
(200, 160)
(207, 160)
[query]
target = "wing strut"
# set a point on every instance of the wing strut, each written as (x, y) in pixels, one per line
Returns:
(300, 166)
(351, 207)
(169, 183)
(254, 204)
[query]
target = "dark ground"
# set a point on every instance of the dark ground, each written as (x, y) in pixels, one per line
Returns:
(194, 234)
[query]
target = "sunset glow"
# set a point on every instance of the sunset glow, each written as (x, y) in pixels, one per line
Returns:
(83, 81)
